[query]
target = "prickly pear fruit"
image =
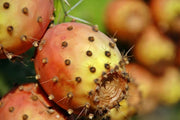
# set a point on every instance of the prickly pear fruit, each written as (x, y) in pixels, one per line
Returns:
(166, 14)
(21, 23)
(154, 50)
(81, 69)
(127, 19)
(145, 81)
(168, 86)
(28, 102)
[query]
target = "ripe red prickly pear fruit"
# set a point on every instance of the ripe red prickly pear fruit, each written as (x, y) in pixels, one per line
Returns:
(78, 67)
(28, 102)
(127, 19)
(21, 23)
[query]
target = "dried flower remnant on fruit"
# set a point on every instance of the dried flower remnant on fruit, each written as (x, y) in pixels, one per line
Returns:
(96, 100)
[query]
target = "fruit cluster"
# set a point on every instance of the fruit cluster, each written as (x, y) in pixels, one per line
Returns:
(79, 68)
(79, 72)
(153, 29)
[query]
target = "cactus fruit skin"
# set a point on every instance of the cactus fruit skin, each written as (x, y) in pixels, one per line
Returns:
(28, 102)
(21, 23)
(78, 66)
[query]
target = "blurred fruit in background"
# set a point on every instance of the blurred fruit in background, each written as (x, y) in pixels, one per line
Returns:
(145, 81)
(166, 14)
(126, 19)
(154, 50)
(156, 90)
(177, 60)
(168, 86)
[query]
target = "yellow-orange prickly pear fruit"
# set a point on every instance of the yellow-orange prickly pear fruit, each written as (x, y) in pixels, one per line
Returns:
(81, 69)
(21, 23)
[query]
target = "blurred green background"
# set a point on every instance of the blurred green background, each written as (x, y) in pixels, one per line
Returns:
(16, 72)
